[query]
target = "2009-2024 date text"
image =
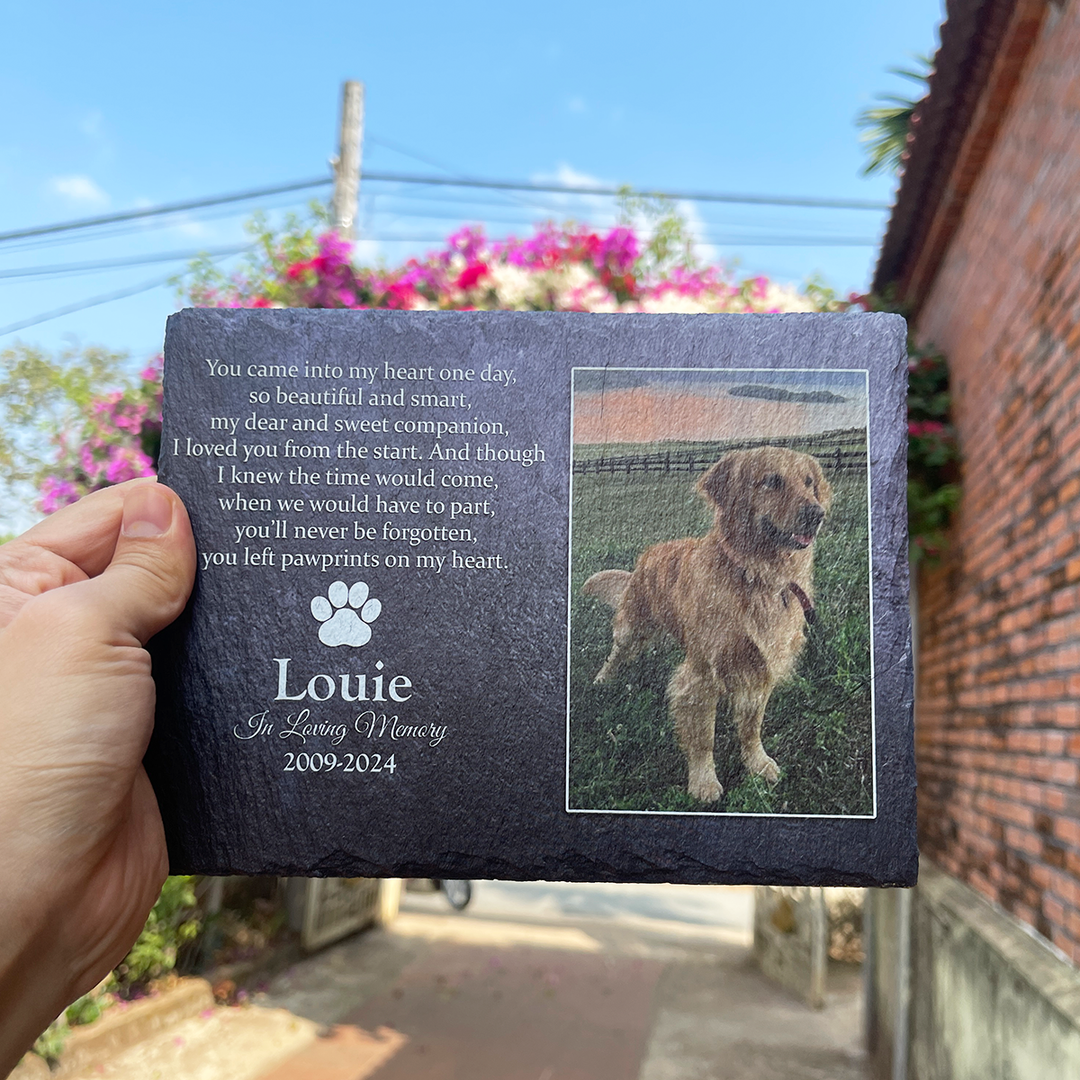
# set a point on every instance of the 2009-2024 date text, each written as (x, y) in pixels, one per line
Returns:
(348, 762)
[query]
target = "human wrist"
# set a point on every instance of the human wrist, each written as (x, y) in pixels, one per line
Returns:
(35, 980)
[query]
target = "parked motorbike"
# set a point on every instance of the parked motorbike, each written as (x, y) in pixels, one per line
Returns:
(458, 893)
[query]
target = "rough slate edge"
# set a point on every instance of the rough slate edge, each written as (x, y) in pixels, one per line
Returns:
(811, 851)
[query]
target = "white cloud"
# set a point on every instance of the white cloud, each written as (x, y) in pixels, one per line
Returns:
(189, 227)
(375, 252)
(184, 224)
(567, 174)
(79, 189)
(598, 210)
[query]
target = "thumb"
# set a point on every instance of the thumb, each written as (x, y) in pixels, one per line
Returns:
(148, 581)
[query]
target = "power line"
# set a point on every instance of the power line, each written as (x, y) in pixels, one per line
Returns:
(450, 170)
(406, 204)
(689, 196)
(445, 181)
(465, 199)
(94, 301)
(165, 208)
(400, 148)
(59, 269)
(523, 220)
(138, 228)
(793, 241)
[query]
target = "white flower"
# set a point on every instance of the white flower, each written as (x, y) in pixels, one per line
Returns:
(513, 285)
(576, 276)
(786, 298)
(675, 303)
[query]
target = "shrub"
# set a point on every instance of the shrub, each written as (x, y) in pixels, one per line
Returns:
(173, 921)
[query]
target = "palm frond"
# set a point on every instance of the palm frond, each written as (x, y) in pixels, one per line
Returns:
(885, 126)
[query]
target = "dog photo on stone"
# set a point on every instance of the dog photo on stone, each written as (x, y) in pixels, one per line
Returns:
(720, 655)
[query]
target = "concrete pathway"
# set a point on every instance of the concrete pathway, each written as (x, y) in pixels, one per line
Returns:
(237, 1044)
(534, 981)
(539, 981)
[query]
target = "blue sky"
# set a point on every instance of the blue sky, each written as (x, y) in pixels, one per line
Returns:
(112, 106)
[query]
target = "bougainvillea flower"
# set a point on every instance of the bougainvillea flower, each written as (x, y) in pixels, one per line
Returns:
(471, 275)
(568, 267)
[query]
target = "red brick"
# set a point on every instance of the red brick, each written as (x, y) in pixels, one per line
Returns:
(1054, 799)
(1067, 714)
(1053, 910)
(1024, 913)
(1053, 743)
(1065, 772)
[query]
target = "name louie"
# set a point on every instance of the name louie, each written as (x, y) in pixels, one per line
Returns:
(352, 687)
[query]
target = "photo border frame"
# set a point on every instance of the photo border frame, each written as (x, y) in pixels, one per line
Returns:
(870, 597)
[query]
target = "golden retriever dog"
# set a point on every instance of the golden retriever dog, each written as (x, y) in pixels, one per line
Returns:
(736, 599)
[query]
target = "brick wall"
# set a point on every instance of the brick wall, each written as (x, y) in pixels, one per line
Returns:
(998, 711)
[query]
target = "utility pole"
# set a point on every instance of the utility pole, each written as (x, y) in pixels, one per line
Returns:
(345, 203)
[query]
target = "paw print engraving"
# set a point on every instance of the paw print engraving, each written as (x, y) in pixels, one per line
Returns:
(341, 624)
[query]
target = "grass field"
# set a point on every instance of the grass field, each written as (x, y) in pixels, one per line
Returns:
(818, 726)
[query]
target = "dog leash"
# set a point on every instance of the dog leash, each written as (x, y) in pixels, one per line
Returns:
(809, 612)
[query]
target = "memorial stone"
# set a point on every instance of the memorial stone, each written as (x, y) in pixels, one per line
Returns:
(539, 595)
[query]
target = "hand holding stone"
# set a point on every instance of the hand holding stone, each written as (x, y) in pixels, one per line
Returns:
(82, 852)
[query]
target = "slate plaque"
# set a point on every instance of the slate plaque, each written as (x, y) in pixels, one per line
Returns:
(539, 595)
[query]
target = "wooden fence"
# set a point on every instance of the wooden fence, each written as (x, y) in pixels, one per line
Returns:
(836, 451)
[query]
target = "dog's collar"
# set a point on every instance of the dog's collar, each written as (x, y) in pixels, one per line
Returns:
(809, 612)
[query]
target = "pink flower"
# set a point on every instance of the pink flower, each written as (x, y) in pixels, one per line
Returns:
(471, 275)
(400, 296)
(618, 252)
(448, 278)
(922, 428)
(335, 250)
(56, 493)
(126, 463)
(152, 371)
(467, 241)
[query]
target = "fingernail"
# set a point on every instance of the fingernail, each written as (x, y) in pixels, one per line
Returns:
(147, 511)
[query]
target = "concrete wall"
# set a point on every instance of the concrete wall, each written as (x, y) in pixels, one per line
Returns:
(880, 940)
(791, 939)
(989, 1000)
